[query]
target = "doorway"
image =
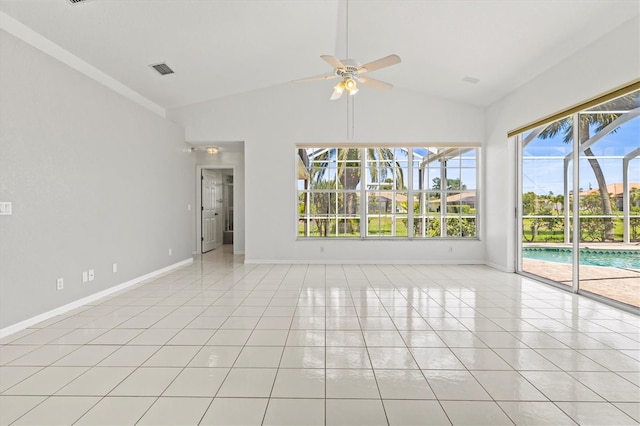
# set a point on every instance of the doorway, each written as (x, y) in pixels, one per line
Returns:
(211, 207)
(215, 199)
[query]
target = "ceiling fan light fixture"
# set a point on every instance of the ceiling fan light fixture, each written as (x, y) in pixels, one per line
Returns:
(351, 86)
(338, 89)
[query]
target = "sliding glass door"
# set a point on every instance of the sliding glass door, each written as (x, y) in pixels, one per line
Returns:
(545, 203)
(580, 175)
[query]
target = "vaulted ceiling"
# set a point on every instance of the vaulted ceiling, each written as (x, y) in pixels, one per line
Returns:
(219, 48)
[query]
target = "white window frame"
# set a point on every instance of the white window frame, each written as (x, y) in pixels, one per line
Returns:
(364, 191)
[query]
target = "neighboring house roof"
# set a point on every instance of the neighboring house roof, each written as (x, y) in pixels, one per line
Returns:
(464, 197)
(400, 198)
(461, 197)
(613, 188)
(455, 198)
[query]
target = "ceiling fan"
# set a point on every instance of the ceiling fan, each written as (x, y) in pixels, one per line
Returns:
(351, 73)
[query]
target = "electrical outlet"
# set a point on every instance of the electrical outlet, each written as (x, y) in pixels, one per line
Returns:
(170, 252)
(85, 276)
(5, 208)
(92, 275)
(59, 284)
(115, 268)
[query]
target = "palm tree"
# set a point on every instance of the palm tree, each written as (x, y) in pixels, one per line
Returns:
(596, 122)
(452, 184)
(634, 197)
(381, 163)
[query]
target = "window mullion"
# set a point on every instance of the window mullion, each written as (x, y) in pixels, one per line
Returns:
(410, 225)
(307, 210)
(364, 203)
(576, 202)
(394, 195)
(459, 176)
(443, 198)
(478, 190)
(336, 209)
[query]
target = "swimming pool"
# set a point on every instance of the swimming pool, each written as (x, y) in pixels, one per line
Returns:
(595, 257)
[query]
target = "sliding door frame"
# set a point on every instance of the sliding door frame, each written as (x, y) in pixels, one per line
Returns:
(574, 219)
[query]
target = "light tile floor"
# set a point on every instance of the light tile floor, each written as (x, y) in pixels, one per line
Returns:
(220, 342)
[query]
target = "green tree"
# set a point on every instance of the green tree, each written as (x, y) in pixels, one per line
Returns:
(592, 228)
(634, 210)
(558, 201)
(598, 118)
(529, 203)
(634, 197)
(552, 224)
(322, 207)
(452, 184)
(381, 164)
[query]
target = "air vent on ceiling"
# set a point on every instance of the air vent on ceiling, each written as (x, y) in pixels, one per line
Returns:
(77, 1)
(471, 80)
(162, 68)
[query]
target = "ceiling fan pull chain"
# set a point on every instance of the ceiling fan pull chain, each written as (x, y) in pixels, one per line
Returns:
(348, 118)
(353, 116)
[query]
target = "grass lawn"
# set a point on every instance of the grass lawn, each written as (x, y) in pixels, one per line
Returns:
(545, 235)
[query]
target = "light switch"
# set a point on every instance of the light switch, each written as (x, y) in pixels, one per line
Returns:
(5, 208)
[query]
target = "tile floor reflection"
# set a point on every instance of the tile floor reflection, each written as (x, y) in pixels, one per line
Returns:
(220, 342)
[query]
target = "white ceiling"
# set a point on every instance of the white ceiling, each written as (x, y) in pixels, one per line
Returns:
(220, 48)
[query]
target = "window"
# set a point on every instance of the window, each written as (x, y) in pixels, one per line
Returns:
(387, 192)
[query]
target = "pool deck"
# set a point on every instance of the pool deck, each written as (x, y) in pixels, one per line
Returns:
(621, 284)
(618, 284)
(601, 246)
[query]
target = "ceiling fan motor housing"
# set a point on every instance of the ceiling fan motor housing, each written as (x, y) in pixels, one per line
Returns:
(350, 70)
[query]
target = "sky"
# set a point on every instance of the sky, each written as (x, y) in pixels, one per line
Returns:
(464, 169)
(543, 161)
(544, 173)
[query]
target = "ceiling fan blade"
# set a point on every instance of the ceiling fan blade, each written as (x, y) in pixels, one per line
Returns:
(333, 61)
(376, 84)
(317, 77)
(387, 61)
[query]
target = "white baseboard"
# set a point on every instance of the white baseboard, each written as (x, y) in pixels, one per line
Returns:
(360, 262)
(499, 267)
(80, 302)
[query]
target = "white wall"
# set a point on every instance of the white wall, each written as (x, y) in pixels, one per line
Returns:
(272, 121)
(611, 61)
(94, 180)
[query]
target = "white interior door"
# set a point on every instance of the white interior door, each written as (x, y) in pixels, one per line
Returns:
(211, 206)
